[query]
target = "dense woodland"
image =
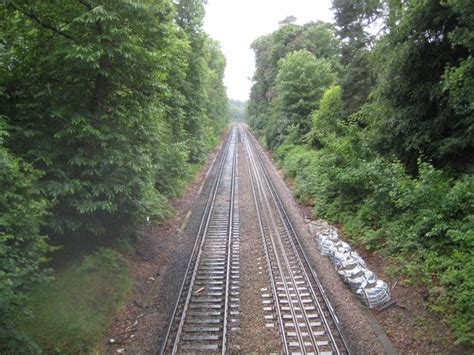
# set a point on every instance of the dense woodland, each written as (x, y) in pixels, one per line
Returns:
(106, 109)
(372, 119)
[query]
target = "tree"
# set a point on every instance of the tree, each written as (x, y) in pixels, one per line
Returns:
(300, 84)
(287, 20)
(217, 109)
(105, 104)
(391, 147)
(82, 95)
(352, 20)
(198, 116)
(426, 84)
(327, 121)
(23, 248)
(237, 110)
(317, 38)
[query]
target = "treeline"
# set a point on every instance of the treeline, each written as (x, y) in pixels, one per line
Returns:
(372, 119)
(106, 109)
(236, 110)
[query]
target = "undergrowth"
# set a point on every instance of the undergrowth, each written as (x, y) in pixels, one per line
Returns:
(426, 222)
(71, 312)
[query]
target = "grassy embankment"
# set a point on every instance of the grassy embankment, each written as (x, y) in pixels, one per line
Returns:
(71, 312)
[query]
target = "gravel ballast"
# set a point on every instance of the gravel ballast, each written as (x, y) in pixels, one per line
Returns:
(160, 264)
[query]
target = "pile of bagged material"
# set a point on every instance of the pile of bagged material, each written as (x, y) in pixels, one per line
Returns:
(352, 268)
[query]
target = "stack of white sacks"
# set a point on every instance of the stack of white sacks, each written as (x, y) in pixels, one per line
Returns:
(352, 268)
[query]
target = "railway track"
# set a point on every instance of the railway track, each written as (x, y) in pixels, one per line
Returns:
(295, 299)
(207, 307)
(209, 296)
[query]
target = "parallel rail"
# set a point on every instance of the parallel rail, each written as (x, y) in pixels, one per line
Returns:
(305, 317)
(208, 304)
(210, 288)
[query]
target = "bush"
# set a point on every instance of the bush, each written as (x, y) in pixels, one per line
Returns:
(451, 288)
(428, 220)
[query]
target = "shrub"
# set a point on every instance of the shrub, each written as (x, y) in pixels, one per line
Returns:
(426, 220)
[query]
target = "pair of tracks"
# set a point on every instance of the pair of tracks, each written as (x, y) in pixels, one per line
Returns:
(208, 303)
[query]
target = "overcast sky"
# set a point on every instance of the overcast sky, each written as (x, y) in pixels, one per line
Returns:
(237, 23)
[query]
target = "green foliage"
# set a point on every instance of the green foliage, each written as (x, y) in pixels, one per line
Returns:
(87, 113)
(353, 19)
(94, 112)
(430, 101)
(356, 81)
(451, 291)
(22, 247)
(265, 111)
(72, 311)
(236, 110)
(388, 151)
(110, 107)
(300, 84)
(328, 120)
(427, 219)
(201, 111)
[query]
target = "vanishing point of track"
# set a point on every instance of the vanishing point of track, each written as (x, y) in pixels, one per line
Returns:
(305, 317)
(208, 303)
(210, 290)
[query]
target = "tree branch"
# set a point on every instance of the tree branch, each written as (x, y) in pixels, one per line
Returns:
(86, 4)
(43, 24)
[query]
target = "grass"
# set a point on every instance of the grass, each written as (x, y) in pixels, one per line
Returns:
(71, 313)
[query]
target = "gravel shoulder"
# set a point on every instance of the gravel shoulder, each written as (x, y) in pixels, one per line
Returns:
(255, 337)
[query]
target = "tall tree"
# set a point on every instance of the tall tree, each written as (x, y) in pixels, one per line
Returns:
(201, 62)
(426, 82)
(22, 247)
(300, 84)
(353, 18)
(101, 105)
(316, 38)
(82, 98)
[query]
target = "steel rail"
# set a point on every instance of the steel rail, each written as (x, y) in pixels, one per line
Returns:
(230, 231)
(296, 245)
(200, 251)
(287, 265)
(291, 275)
(197, 248)
(267, 255)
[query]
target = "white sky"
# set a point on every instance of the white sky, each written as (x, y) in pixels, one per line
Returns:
(237, 23)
